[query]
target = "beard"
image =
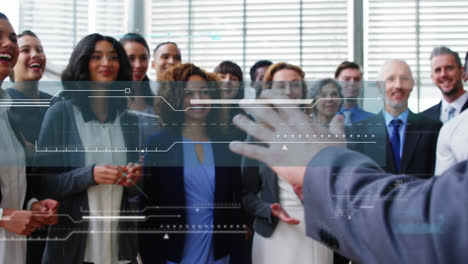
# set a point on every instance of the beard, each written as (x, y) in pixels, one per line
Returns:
(454, 90)
(397, 105)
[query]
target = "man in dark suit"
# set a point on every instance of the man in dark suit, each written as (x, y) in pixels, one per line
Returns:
(424, 222)
(447, 74)
(405, 142)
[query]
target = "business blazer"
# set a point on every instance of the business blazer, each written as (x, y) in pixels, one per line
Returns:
(425, 222)
(65, 177)
(259, 191)
(163, 185)
(434, 111)
(419, 148)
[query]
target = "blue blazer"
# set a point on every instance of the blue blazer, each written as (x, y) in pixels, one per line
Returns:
(64, 177)
(354, 207)
(163, 184)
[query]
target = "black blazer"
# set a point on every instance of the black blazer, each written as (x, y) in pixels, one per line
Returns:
(434, 111)
(163, 183)
(419, 148)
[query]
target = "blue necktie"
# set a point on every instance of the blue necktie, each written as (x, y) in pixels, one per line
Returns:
(450, 112)
(396, 123)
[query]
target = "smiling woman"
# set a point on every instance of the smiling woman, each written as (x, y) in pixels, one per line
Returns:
(95, 184)
(194, 172)
(26, 75)
(14, 221)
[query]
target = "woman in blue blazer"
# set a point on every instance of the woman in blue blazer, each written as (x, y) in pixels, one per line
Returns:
(191, 179)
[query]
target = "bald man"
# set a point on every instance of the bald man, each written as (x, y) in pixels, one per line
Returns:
(405, 142)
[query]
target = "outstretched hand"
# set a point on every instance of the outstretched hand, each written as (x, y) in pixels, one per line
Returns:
(292, 138)
(281, 214)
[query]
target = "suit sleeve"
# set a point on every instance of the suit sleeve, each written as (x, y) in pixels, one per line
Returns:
(251, 201)
(57, 179)
(363, 213)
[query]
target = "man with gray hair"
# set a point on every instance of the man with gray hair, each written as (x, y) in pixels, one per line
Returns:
(405, 142)
(447, 74)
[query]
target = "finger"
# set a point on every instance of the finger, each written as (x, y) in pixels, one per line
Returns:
(113, 173)
(123, 168)
(284, 216)
(49, 203)
(40, 220)
(337, 125)
(250, 151)
(36, 222)
(290, 113)
(264, 114)
(38, 206)
(292, 221)
(257, 131)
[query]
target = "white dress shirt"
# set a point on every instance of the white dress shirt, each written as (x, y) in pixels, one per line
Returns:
(103, 199)
(452, 143)
(13, 187)
(457, 104)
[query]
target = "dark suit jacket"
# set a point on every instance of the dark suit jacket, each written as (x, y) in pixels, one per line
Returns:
(419, 148)
(425, 222)
(163, 183)
(65, 177)
(434, 111)
(259, 192)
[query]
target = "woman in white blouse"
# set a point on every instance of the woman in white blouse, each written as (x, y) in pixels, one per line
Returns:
(86, 149)
(13, 220)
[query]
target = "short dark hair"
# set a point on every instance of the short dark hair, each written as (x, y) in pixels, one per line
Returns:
(3, 16)
(234, 69)
(347, 65)
(258, 64)
(164, 43)
(76, 74)
(134, 37)
(27, 32)
(443, 50)
(144, 85)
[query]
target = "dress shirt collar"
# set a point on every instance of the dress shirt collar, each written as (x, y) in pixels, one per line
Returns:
(457, 104)
(353, 109)
(403, 116)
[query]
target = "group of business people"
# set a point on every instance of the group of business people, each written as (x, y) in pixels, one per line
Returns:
(383, 206)
(194, 195)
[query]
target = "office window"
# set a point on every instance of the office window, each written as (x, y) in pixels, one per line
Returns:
(310, 33)
(409, 30)
(61, 24)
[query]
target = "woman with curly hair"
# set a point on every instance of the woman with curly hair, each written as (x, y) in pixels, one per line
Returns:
(91, 173)
(190, 172)
(275, 204)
